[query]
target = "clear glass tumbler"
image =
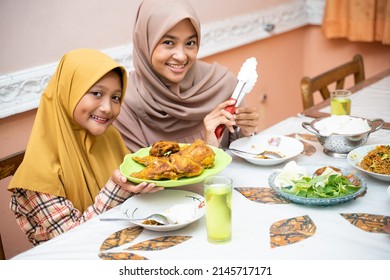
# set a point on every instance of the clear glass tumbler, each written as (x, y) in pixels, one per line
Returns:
(340, 103)
(218, 197)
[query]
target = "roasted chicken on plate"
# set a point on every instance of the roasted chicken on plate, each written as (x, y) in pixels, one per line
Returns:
(169, 160)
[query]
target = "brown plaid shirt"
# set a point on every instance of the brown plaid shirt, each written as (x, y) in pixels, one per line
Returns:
(42, 216)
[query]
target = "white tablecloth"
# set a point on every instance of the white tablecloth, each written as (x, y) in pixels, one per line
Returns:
(334, 236)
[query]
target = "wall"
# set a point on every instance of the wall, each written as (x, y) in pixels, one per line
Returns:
(283, 59)
(41, 31)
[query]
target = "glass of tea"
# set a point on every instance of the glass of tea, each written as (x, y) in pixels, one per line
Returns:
(340, 103)
(218, 198)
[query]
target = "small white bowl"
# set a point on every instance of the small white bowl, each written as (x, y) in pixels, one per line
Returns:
(283, 145)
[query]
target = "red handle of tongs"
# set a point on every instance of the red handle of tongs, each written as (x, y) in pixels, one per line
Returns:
(220, 128)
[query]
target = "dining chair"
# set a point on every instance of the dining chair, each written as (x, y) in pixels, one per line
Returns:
(338, 75)
(8, 167)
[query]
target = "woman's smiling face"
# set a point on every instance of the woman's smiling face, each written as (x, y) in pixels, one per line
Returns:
(176, 52)
(100, 105)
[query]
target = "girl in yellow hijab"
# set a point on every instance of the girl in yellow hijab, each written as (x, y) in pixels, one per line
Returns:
(69, 173)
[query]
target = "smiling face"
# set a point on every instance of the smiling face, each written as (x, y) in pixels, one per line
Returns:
(176, 52)
(100, 105)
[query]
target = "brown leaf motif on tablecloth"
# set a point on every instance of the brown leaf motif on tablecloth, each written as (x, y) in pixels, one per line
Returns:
(261, 195)
(367, 222)
(121, 256)
(159, 243)
(128, 235)
(291, 231)
(309, 137)
(121, 237)
(308, 149)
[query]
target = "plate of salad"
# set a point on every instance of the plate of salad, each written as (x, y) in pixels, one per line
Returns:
(317, 185)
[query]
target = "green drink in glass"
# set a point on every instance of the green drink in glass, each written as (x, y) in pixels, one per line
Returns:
(340, 104)
(218, 198)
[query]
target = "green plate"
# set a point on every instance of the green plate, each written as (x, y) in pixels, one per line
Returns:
(129, 166)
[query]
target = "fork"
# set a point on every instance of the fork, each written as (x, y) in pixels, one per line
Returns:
(156, 217)
(267, 154)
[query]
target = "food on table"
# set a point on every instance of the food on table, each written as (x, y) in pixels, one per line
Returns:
(323, 170)
(151, 222)
(162, 148)
(185, 166)
(269, 155)
(177, 214)
(377, 160)
(146, 160)
(342, 125)
(172, 164)
(161, 168)
(325, 182)
(199, 152)
(181, 213)
(290, 172)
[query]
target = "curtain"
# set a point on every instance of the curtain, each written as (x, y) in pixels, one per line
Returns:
(357, 20)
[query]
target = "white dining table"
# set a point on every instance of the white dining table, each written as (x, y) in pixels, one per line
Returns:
(264, 227)
(325, 233)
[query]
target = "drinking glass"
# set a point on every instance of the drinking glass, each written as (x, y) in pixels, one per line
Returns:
(340, 103)
(218, 197)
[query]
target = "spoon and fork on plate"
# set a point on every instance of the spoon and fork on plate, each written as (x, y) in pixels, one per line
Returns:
(159, 218)
(264, 154)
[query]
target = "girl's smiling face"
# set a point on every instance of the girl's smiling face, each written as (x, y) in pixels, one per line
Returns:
(176, 52)
(100, 105)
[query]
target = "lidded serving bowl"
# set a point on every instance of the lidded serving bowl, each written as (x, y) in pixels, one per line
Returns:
(339, 144)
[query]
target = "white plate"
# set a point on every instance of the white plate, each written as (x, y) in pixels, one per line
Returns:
(355, 156)
(142, 205)
(288, 147)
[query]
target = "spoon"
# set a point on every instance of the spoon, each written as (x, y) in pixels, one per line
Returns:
(155, 217)
(266, 154)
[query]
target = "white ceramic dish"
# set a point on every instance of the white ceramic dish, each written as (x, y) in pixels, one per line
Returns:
(355, 156)
(142, 205)
(288, 147)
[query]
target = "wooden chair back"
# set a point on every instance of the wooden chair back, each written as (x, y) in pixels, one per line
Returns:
(337, 75)
(8, 167)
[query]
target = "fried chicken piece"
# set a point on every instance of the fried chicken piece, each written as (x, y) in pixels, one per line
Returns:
(185, 166)
(159, 169)
(199, 152)
(161, 148)
(145, 160)
(167, 160)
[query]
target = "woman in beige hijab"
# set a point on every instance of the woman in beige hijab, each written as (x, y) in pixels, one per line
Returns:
(64, 179)
(171, 94)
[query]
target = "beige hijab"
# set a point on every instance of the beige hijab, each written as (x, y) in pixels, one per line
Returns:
(155, 111)
(63, 159)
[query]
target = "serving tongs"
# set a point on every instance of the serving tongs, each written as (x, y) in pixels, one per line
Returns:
(247, 78)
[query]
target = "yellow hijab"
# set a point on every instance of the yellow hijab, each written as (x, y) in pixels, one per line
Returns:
(63, 159)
